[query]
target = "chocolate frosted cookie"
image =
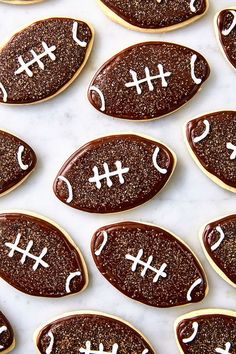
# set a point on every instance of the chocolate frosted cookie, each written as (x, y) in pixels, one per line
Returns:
(38, 257)
(218, 239)
(7, 339)
(154, 15)
(207, 332)
(149, 264)
(148, 80)
(114, 173)
(41, 60)
(212, 142)
(90, 332)
(17, 161)
(226, 33)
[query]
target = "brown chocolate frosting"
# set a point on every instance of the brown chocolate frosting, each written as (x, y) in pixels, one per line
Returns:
(141, 179)
(156, 96)
(50, 262)
(113, 246)
(6, 333)
(11, 169)
(61, 64)
(212, 151)
(227, 33)
(215, 331)
(72, 334)
(221, 235)
(151, 14)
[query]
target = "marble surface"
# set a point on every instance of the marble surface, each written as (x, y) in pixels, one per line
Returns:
(57, 128)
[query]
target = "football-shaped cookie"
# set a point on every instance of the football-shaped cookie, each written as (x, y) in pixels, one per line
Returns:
(38, 257)
(207, 332)
(218, 239)
(212, 142)
(154, 15)
(7, 339)
(114, 173)
(148, 80)
(41, 60)
(17, 161)
(148, 264)
(226, 33)
(90, 333)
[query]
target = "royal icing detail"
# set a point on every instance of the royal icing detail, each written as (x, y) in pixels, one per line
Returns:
(76, 39)
(227, 31)
(222, 236)
(192, 287)
(192, 337)
(192, 63)
(224, 351)
(88, 349)
(36, 60)
(2, 88)
(2, 330)
(70, 277)
(107, 175)
(20, 151)
(204, 134)
(147, 266)
(69, 187)
(105, 238)
(154, 160)
(230, 146)
(50, 346)
(26, 253)
(192, 7)
(148, 79)
(99, 92)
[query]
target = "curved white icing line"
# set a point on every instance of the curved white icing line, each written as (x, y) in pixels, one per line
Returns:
(105, 238)
(222, 236)
(2, 329)
(19, 158)
(4, 92)
(76, 39)
(230, 146)
(193, 286)
(204, 134)
(227, 31)
(224, 351)
(50, 346)
(146, 351)
(99, 92)
(70, 277)
(154, 160)
(192, 337)
(69, 187)
(195, 79)
(88, 350)
(192, 7)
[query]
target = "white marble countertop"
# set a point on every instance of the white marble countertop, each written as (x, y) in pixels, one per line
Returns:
(55, 129)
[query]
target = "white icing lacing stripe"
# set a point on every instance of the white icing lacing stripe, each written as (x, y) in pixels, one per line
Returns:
(204, 134)
(222, 236)
(154, 160)
(99, 92)
(88, 349)
(195, 79)
(107, 175)
(227, 31)
(193, 286)
(192, 7)
(68, 280)
(192, 337)
(224, 351)
(105, 238)
(230, 146)
(20, 151)
(76, 39)
(69, 187)
(4, 92)
(2, 330)
(50, 346)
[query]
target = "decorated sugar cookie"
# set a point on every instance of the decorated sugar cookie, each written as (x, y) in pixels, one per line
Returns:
(17, 161)
(154, 15)
(41, 60)
(114, 173)
(90, 332)
(226, 33)
(148, 80)
(218, 240)
(149, 264)
(38, 257)
(212, 142)
(207, 331)
(7, 339)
